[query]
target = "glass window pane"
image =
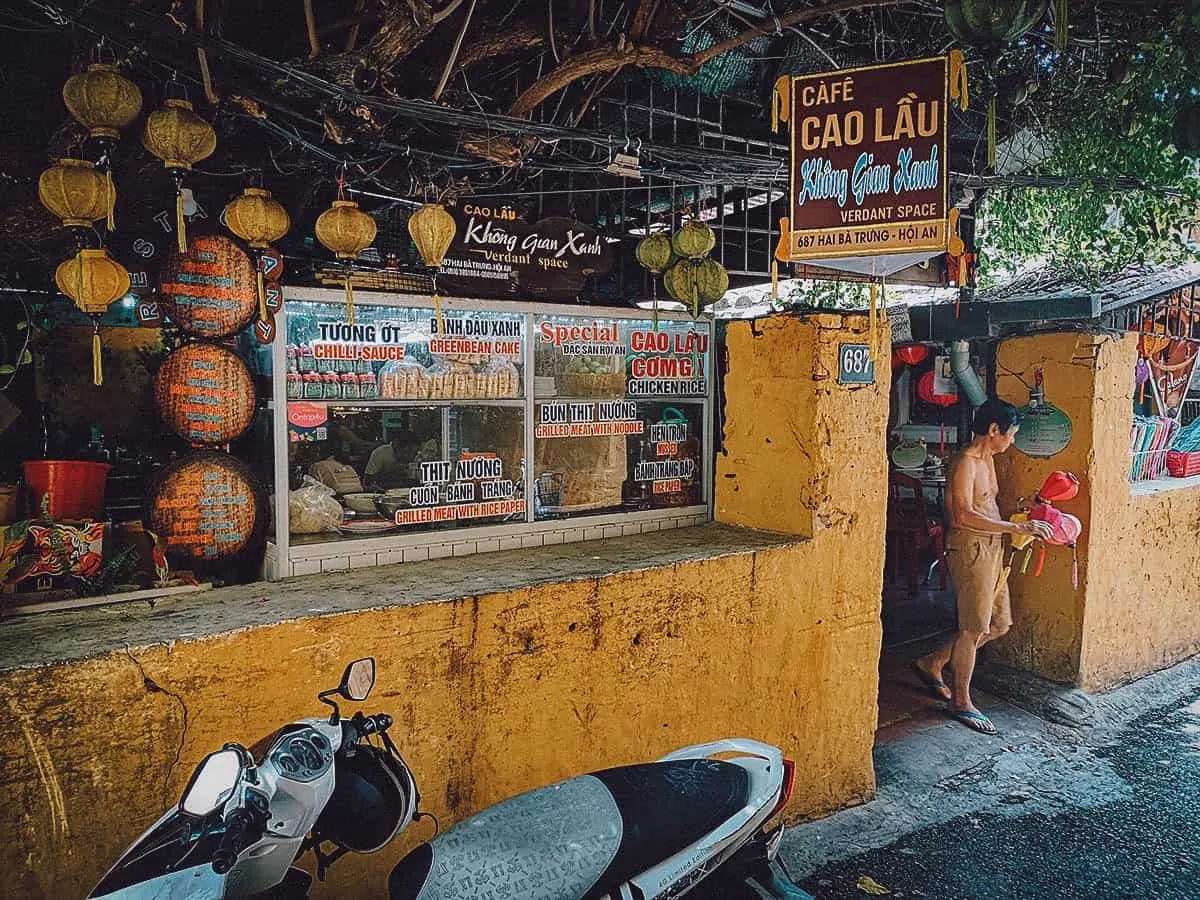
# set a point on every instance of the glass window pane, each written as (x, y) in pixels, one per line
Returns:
(399, 353)
(394, 470)
(619, 417)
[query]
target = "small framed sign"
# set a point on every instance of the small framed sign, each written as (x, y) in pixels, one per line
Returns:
(855, 364)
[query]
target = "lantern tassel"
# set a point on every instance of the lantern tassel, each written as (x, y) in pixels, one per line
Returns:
(695, 301)
(262, 295)
(111, 224)
(349, 298)
(437, 311)
(958, 79)
(180, 223)
(654, 301)
(991, 133)
(774, 281)
(873, 320)
(1061, 26)
(1074, 568)
(97, 363)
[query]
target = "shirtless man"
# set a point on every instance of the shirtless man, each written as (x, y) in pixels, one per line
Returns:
(975, 556)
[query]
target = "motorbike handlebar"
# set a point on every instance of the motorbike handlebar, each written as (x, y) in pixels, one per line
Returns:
(375, 724)
(240, 828)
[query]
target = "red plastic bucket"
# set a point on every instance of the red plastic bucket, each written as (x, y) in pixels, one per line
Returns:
(72, 489)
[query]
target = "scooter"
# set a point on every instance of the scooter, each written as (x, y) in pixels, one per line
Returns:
(686, 824)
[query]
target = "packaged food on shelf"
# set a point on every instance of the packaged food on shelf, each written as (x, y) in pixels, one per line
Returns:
(404, 379)
(350, 389)
(368, 387)
(295, 386)
(500, 378)
(314, 389)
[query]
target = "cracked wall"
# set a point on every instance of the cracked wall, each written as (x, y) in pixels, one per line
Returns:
(497, 693)
(1135, 610)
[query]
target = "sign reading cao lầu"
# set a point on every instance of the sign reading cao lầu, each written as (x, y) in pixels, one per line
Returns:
(868, 169)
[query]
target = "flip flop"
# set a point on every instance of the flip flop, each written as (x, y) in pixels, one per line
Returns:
(935, 685)
(976, 721)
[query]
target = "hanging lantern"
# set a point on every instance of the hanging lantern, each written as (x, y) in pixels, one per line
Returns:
(347, 231)
(712, 281)
(654, 253)
(180, 138)
(911, 354)
(259, 220)
(93, 280)
(694, 240)
(990, 23)
(102, 100)
(76, 193)
(432, 229)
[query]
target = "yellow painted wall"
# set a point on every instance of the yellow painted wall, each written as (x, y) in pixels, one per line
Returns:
(502, 692)
(1136, 610)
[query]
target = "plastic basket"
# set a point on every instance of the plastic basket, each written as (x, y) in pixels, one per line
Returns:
(1183, 465)
(72, 489)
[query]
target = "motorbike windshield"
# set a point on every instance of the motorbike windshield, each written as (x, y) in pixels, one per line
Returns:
(173, 859)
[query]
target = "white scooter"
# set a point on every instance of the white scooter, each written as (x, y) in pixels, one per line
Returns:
(686, 824)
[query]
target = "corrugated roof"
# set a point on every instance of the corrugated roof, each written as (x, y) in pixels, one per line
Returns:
(1131, 285)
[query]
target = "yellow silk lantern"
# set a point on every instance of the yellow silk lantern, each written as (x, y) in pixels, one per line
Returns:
(432, 229)
(102, 100)
(76, 193)
(258, 219)
(93, 280)
(347, 231)
(180, 138)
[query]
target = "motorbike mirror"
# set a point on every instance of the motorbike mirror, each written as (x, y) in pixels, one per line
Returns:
(212, 783)
(358, 679)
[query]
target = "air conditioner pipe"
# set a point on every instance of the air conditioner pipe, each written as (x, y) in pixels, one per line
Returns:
(967, 378)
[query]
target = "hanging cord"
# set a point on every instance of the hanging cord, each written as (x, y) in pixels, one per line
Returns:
(310, 23)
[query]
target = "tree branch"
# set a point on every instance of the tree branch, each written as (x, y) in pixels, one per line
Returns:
(591, 62)
(617, 56)
(403, 29)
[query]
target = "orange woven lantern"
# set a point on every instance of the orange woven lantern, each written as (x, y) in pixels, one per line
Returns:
(93, 280)
(76, 193)
(259, 220)
(180, 138)
(347, 231)
(102, 100)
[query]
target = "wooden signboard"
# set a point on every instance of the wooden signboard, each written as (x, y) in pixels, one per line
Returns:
(205, 507)
(205, 393)
(211, 291)
(868, 169)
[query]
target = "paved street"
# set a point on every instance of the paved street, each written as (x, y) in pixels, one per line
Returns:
(1111, 809)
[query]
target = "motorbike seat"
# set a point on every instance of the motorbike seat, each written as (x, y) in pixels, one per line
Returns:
(579, 839)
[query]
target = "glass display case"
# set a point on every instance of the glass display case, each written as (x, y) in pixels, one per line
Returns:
(408, 433)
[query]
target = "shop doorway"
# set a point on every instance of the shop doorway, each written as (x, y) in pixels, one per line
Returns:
(918, 607)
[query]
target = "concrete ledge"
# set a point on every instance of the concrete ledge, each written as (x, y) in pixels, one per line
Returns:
(54, 637)
(1162, 486)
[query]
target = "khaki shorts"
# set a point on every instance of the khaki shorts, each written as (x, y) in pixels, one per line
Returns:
(976, 562)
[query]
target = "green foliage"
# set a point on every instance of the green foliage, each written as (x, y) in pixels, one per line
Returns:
(1123, 130)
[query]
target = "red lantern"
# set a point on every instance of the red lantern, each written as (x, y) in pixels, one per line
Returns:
(1058, 486)
(926, 393)
(910, 354)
